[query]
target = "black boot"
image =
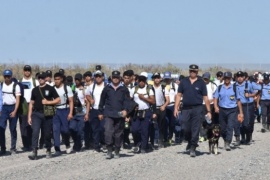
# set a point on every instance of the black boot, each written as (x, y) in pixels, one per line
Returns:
(192, 151)
(116, 153)
(237, 142)
(227, 146)
(248, 138)
(243, 138)
(33, 155)
(109, 153)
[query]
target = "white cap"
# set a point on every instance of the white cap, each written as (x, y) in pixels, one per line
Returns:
(145, 74)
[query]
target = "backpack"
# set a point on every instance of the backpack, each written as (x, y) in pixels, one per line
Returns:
(148, 88)
(77, 103)
(23, 105)
(33, 81)
(234, 87)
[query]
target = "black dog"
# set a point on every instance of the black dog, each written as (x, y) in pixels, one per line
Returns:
(213, 134)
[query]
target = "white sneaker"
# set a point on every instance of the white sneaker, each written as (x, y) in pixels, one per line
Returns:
(69, 150)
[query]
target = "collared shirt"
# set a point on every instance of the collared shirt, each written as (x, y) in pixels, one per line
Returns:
(192, 93)
(251, 88)
(114, 100)
(265, 92)
(226, 96)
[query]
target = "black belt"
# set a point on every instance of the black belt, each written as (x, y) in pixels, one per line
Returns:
(228, 108)
(8, 104)
(191, 107)
(144, 110)
(246, 104)
(36, 110)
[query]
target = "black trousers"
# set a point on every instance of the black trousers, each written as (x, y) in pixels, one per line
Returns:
(114, 128)
(40, 121)
(26, 131)
(192, 124)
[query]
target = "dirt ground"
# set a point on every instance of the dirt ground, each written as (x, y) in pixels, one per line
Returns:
(246, 162)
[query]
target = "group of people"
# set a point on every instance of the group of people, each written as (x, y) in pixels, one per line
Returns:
(100, 115)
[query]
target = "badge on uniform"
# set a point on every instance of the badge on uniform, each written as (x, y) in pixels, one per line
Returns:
(232, 97)
(268, 91)
(46, 92)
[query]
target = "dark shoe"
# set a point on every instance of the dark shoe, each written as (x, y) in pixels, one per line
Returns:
(151, 147)
(227, 146)
(57, 153)
(188, 147)
(33, 155)
(116, 154)
(143, 151)
(192, 151)
(97, 150)
(13, 151)
(3, 152)
(136, 149)
(48, 154)
(109, 155)
(237, 142)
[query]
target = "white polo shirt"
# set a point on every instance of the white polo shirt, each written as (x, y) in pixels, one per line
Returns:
(7, 93)
(142, 104)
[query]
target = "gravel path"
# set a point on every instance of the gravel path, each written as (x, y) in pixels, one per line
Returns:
(245, 162)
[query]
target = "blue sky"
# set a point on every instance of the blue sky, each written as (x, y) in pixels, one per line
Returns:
(135, 31)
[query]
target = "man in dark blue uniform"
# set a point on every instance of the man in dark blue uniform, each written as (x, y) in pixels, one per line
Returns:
(226, 101)
(114, 106)
(193, 90)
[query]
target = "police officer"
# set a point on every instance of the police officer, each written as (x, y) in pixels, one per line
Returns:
(193, 89)
(226, 100)
(246, 92)
(114, 106)
(265, 103)
(143, 95)
(11, 98)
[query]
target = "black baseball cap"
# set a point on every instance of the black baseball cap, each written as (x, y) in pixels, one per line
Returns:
(156, 75)
(116, 74)
(42, 75)
(27, 68)
(49, 73)
(240, 74)
(78, 76)
(265, 76)
(219, 74)
(98, 67)
(62, 71)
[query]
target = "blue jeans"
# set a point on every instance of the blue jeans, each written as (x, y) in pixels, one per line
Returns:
(140, 130)
(6, 110)
(61, 125)
(76, 127)
(95, 125)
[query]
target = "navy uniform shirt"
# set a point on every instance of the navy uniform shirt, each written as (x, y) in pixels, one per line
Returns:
(192, 93)
(265, 92)
(251, 87)
(227, 97)
(112, 101)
